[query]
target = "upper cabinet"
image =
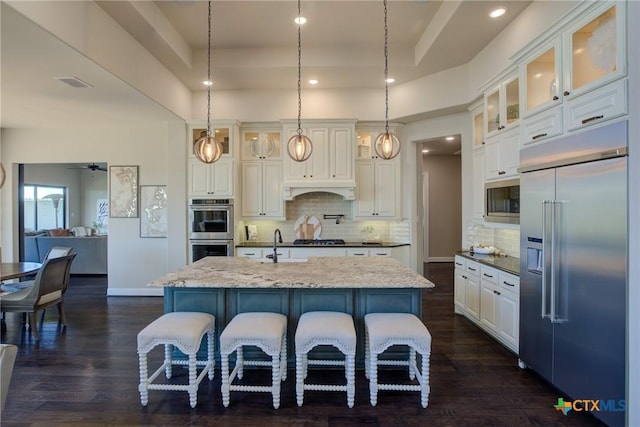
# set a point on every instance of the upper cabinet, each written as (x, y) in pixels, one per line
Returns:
(261, 145)
(572, 76)
(501, 104)
(378, 194)
(216, 179)
(331, 161)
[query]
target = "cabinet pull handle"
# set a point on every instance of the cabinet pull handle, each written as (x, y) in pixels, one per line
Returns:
(458, 263)
(501, 173)
(508, 284)
(471, 268)
(487, 275)
(540, 135)
(590, 119)
(464, 277)
(555, 98)
(566, 93)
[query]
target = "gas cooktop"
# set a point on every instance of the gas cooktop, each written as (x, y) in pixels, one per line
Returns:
(321, 242)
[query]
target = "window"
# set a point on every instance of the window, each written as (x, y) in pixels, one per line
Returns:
(44, 207)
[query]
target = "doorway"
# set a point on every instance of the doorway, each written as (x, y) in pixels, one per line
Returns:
(441, 167)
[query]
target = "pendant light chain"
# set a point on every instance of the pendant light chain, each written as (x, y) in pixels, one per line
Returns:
(299, 146)
(209, 74)
(299, 73)
(386, 71)
(207, 148)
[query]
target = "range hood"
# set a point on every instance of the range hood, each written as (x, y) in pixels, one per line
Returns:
(348, 192)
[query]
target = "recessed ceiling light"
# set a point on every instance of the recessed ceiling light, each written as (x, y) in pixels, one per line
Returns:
(449, 138)
(300, 20)
(498, 12)
(313, 81)
(390, 80)
(207, 83)
(425, 150)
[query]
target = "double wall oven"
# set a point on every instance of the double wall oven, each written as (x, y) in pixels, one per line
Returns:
(210, 228)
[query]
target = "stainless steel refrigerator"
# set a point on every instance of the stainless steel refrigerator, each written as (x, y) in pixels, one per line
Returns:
(573, 272)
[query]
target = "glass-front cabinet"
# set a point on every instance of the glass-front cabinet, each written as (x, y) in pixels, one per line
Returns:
(502, 105)
(222, 134)
(261, 145)
(578, 68)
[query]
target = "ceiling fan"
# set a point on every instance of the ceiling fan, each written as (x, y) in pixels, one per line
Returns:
(92, 167)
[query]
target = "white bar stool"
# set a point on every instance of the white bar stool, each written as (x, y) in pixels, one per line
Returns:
(184, 330)
(268, 331)
(325, 328)
(383, 330)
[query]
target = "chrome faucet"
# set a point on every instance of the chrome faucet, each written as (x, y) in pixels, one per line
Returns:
(275, 244)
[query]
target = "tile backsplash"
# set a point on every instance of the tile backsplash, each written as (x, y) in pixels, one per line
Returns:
(507, 240)
(318, 204)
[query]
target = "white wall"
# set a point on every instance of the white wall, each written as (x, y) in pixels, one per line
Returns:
(133, 261)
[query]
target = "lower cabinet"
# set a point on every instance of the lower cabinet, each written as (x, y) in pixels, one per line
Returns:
(306, 252)
(490, 298)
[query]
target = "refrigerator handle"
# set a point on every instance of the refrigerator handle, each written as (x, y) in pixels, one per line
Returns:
(545, 244)
(556, 280)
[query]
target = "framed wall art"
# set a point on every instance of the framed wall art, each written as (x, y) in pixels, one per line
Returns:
(153, 211)
(123, 191)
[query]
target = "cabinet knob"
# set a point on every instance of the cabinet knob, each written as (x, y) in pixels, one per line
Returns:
(555, 98)
(566, 93)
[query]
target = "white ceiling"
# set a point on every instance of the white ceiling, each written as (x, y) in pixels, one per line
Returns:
(254, 47)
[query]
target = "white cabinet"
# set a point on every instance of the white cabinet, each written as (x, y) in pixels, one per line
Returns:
(502, 155)
(477, 118)
(377, 189)
(501, 103)
(490, 298)
(317, 251)
(210, 179)
(254, 253)
(572, 77)
(467, 288)
(478, 160)
(216, 179)
(261, 144)
(332, 157)
(261, 190)
(459, 285)
(370, 252)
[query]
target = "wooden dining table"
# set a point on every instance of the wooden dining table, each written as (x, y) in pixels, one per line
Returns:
(18, 270)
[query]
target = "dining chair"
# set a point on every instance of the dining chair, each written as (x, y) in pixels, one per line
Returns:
(48, 289)
(7, 359)
(57, 251)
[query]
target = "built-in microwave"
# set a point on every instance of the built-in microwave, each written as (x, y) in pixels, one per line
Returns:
(211, 219)
(502, 201)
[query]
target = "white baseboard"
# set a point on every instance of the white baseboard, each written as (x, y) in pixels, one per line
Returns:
(441, 259)
(135, 292)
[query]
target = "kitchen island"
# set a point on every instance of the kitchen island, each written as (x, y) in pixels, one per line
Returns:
(226, 286)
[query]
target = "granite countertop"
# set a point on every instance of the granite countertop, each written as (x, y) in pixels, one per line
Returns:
(505, 263)
(346, 245)
(317, 272)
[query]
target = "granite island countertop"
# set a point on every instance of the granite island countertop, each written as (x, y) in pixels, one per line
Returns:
(316, 272)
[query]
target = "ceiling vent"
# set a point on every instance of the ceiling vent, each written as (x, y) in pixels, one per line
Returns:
(73, 82)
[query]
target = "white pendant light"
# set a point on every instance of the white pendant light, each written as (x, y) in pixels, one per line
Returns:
(299, 146)
(387, 145)
(207, 148)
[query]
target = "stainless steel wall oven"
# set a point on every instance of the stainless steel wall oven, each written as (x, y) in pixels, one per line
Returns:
(211, 219)
(210, 228)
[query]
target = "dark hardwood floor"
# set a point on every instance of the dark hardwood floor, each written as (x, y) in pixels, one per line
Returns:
(86, 374)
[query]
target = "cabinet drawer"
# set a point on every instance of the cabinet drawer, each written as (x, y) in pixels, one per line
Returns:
(473, 268)
(460, 262)
(380, 252)
(598, 106)
(542, 126)
(249, 252)
(510, 282)
(489, 274)
(362, 252)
